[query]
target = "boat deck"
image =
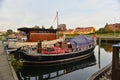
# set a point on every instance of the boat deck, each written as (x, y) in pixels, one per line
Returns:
(32, 50)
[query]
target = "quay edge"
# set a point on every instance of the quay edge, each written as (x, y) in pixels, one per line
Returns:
(99, 73)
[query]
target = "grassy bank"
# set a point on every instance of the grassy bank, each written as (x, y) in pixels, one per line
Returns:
(108, 34)
(97, 34)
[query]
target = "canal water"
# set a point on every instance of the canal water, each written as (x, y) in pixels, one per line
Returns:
(80, 70)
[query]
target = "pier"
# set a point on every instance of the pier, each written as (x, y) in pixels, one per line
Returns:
(6, 70)
(108, 39)
(111, 71)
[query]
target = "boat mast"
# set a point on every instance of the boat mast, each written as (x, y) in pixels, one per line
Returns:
(57, 24)
(57, 19)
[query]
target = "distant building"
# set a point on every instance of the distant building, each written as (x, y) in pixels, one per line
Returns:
(62, 27)
(79, 30)
(70, 31)
(2, 32)
(84, 30)
(112, 27)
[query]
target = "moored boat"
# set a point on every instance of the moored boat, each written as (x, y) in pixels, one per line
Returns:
(45, 73)
(75, 49)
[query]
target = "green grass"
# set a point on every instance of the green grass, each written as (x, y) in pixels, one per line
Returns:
(109, 35)
(98, 35)
(0, 39)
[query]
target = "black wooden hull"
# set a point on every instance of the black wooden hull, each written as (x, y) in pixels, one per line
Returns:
(57, 62)
(53, 59)
(32, 71)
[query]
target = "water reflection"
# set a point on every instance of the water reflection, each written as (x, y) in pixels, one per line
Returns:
(107, 46)
(45, 73)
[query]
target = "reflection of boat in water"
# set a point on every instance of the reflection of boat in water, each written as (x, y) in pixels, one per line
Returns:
(79, 48)
(45, 73)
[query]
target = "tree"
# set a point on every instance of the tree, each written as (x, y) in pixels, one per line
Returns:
(101, 30)
(51, 27)
(37, 27)
(106, 25)
(43, 27)
(9, 31)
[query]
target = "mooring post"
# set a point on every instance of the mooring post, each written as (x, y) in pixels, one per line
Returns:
(116, 62)
(99, 42)
(99, 57)
(39, 46)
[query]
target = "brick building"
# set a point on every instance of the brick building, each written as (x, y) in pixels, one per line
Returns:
(62, 27)
(112, 27)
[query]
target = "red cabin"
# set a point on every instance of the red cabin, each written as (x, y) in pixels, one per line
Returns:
(35, 34)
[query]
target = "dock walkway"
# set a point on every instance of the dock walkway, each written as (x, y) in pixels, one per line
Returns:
(6, 70)
(108, 39)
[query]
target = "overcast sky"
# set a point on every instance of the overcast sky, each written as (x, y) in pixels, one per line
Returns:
(74, 13)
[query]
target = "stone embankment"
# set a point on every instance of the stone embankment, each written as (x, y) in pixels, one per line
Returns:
(104, 74)
(6, 70)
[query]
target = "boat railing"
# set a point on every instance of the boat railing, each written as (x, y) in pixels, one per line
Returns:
(84, 47)
(32, 49)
